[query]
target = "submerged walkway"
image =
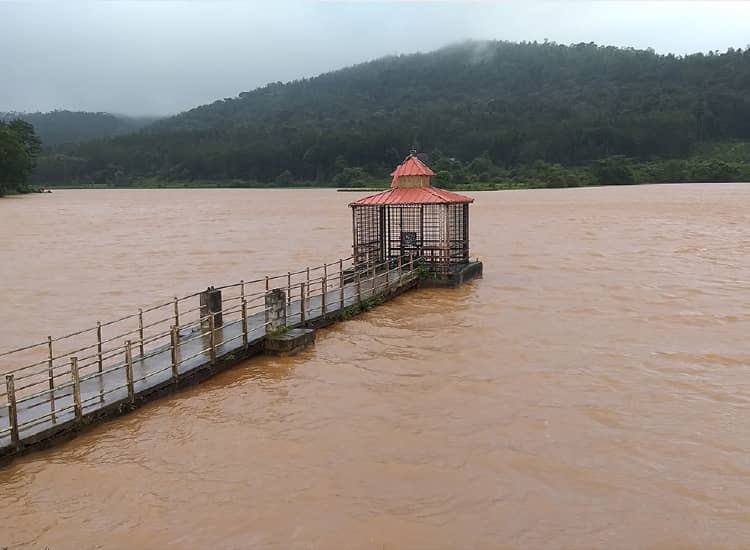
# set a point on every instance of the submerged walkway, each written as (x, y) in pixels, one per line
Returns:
(57, 395)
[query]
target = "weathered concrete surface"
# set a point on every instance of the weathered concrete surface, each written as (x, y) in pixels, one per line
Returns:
(291, 342)
(460, 275)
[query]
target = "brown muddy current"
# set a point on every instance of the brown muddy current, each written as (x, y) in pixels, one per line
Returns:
(593, 390)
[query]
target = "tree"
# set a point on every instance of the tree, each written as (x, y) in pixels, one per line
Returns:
(19, 147)
(615, 170)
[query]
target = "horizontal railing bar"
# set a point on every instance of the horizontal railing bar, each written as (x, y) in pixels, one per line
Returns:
(332, 275)
(46, 402)
(155, 337)
(78, 333)
(33, 396)
(25, 348)
(153, 353)
(194, 337)
(36, 421)
(159, 322)
(232, 339)
(112, 390)
(184, 359)
(96, 397)
(30, 374)
(154, 308)
(150, 374)
(32, 384)
(38, 363)
(118, 337)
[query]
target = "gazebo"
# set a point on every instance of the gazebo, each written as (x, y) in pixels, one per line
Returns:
(412, 217)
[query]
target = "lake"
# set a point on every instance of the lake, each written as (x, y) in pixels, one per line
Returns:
(592, 390)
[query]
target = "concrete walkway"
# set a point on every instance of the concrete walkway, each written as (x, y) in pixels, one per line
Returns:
(107, 391)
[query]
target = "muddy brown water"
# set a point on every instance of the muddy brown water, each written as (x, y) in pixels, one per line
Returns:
(593, 390)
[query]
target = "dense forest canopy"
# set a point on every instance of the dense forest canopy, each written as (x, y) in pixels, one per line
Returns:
(60, 127)
(484, 110)
(19, 146)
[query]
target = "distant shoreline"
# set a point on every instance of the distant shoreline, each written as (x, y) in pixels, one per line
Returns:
(468, 187)
(218, 185)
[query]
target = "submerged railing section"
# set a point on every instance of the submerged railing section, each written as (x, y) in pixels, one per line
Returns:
(112, 359)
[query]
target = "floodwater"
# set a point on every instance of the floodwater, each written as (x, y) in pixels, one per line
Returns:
(593, 390)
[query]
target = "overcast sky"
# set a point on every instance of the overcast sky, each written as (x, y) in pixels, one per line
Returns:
(150, 57)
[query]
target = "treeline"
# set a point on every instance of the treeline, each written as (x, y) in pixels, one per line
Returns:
(19, 146)
(485, 110)
(61, 127)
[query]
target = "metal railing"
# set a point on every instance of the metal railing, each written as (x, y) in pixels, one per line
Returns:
(115, 354)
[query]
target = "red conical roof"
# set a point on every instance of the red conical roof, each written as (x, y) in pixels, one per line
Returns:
(413, 195)
(421, 194)
(412, 166)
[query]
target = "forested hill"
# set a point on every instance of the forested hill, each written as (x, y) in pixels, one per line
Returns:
(483, 109)
(59, 127)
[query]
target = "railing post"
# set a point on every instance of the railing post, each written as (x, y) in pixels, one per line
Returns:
(212, 337)
(324, 286)
(267, 283)
(242, 289)
(359, 289)
(51, 375)
(302, 302)
(129, 370)
(174, 348)
(76, 388)
(50, 369)
(288, 287)
(341, 284)
(10, 389)
(244, 323)
(100, 361)
(140, 330)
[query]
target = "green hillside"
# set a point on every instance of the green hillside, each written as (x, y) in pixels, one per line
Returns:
(61, 127)
(485, 111)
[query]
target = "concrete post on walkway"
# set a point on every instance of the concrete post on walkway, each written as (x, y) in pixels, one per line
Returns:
(211, 304)
(275, 310)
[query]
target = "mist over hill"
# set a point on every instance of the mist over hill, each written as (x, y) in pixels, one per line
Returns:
(486, 111)
(61, 127)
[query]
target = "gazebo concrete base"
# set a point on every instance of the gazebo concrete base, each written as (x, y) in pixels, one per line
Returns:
(459, 275)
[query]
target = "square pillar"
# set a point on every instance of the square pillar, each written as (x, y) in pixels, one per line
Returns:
(210, 300)
(275, 310)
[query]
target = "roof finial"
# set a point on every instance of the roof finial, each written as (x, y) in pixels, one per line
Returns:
(413, 151)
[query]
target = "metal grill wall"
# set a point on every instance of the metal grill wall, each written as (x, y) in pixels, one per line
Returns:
(368, 237)
(438, 232)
